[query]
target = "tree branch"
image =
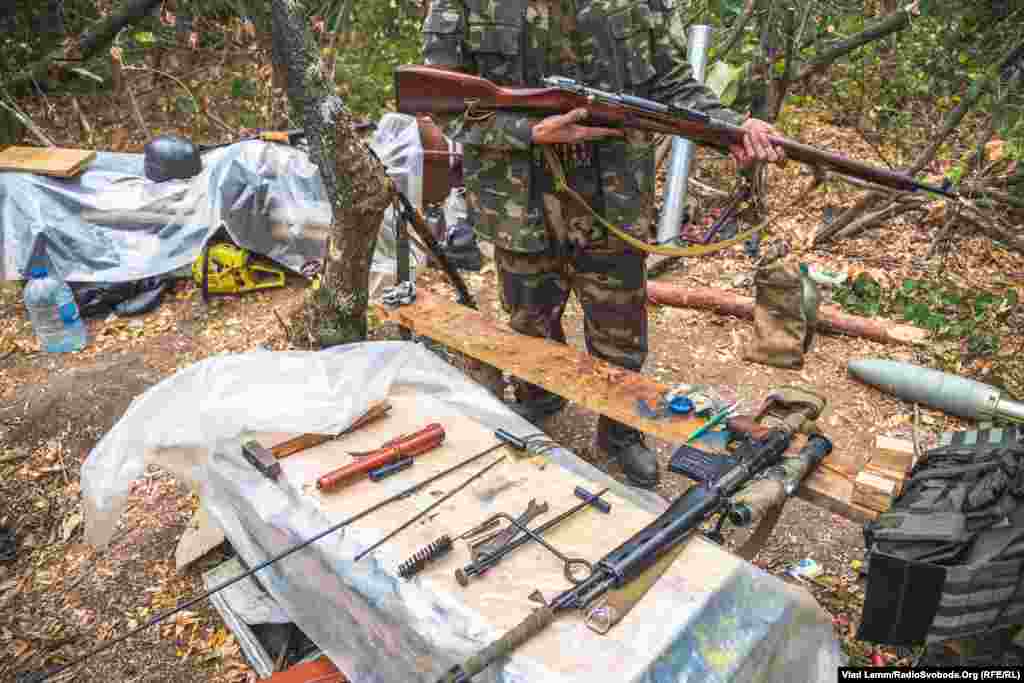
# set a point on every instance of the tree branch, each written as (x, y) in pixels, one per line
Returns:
(987, 227)
(953, 119)
(978, 190)
(737, 31)
(90, 44)
(895, 22)
(26, 121)
(888, 213)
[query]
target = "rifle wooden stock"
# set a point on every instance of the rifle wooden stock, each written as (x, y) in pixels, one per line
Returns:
(430, 90)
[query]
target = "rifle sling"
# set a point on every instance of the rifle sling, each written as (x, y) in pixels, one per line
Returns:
(696, 250)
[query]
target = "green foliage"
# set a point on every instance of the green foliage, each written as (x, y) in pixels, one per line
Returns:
(862, 296)
(27, 32)
(243, 88)
(724, 80)
(375, 38)
(383, 36)
(973, 318)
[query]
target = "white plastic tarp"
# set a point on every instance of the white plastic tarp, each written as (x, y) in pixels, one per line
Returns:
(375, 627)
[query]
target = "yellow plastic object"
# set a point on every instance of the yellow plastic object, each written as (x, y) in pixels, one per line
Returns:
(232, 270)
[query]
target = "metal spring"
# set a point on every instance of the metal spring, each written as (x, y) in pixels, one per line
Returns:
(417, 562)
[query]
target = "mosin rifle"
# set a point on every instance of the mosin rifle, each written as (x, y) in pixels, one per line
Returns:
(431, 90)
(699, 503)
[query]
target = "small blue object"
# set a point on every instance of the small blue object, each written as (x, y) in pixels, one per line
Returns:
(385, 471)
(37, 273)
(680, 405)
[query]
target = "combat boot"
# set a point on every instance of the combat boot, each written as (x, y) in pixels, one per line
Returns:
(461, 247)
(534, 403)
(626, 445)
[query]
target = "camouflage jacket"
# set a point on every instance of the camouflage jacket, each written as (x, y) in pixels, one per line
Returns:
(632, 46)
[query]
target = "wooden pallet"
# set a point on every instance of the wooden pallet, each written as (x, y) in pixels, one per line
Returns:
(593, 384)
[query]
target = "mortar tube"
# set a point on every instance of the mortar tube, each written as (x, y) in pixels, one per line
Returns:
(681, 157)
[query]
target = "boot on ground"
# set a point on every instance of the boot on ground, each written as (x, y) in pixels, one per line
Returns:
(535, 404)
(626, 445)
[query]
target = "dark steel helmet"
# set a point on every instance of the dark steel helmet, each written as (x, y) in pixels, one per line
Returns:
(170, 157)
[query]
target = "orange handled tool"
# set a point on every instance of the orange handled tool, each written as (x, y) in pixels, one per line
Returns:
(417, 443)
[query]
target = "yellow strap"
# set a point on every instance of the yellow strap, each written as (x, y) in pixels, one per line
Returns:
(697, 250)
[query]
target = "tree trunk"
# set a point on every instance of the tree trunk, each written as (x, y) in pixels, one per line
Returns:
(760, 65)
(780, 86)
(356, 184)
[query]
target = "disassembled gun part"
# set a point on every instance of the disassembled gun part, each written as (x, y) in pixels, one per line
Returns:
(427, 510)
(496, 541)
(425, 556)
(478, 568)
(602, 505)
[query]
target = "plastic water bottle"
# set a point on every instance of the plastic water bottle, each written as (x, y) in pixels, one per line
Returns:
(54, 313)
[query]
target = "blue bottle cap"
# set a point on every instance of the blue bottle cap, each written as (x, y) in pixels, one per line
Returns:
(37, 273)
(680, 405)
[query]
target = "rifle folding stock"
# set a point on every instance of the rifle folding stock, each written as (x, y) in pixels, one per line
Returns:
(431, 90)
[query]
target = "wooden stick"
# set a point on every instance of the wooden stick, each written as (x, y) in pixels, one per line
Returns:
(831, 319)
(306, 441)
(137, 113)
(29, 123)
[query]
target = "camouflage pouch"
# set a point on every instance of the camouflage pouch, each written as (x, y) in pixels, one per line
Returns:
(785, 315)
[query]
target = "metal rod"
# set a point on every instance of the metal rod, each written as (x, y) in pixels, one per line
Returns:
(402, 258)
(682, 149)
(498, 554)
(429, 508)
(39, 677)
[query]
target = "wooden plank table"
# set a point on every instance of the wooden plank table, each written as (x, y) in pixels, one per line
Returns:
(677, 601)
(596, 385)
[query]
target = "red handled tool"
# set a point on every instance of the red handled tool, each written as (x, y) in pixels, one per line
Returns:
(406, 446)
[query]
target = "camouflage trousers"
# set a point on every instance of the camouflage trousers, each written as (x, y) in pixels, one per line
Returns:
(609, 283)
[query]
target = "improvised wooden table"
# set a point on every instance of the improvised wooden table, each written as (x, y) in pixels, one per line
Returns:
(662, 632)
(597, 386)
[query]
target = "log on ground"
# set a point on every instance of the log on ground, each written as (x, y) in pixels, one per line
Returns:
(831, 319)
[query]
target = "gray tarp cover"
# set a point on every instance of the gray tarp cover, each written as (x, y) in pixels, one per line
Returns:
(111, 224)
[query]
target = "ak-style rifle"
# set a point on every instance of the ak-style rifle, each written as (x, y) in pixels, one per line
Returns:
(631, 559)
(431, 90)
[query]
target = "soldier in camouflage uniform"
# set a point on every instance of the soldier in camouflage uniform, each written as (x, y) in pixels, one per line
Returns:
(546, 247)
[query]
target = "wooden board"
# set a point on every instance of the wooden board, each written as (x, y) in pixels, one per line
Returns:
(894, 454)
(874, 492)
(501, 596)
(592, 384)
(52, 161)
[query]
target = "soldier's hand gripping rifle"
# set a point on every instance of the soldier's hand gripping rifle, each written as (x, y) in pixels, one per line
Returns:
(630, 559)
(430, 90)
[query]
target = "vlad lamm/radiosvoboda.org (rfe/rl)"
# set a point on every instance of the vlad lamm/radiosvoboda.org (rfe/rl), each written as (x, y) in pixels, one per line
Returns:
(1013, 674)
